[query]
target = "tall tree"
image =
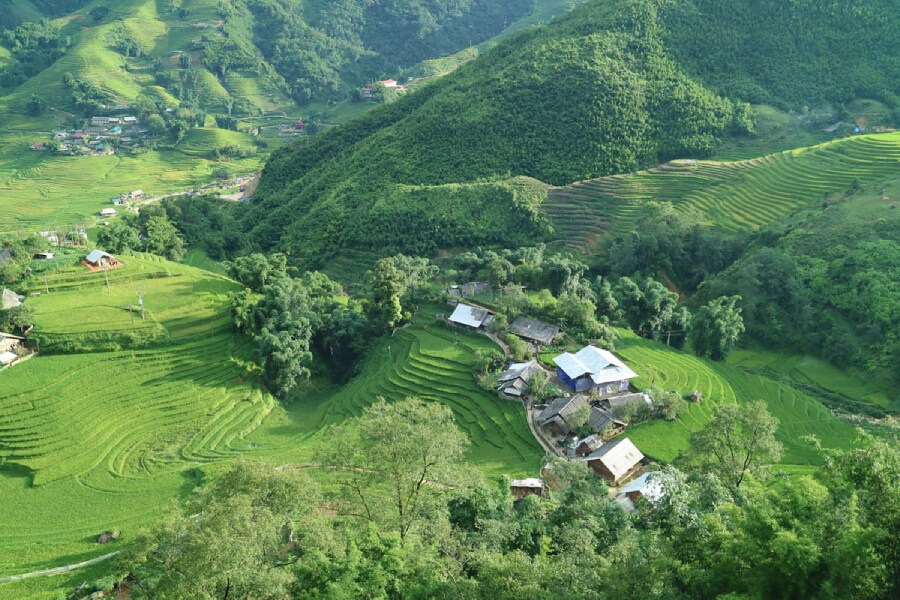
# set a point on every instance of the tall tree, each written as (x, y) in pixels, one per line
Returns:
(284, 336)
(717, 327)
(397, 460)
(162, 238)
(738, 440)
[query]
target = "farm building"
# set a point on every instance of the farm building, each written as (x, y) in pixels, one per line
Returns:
(9, 299)
(388, 83)
(467, 290)
(591, 368)
(526, 487)
(623, 400)
(108, 212)
(9, 342)
(585, 446)
(514, 380)
(648, 486)
(471, 316)
(136, 194)
(561, 411)
(100, 259)
(615, 460)
(604, 423)
(43, 256)
(534, 330)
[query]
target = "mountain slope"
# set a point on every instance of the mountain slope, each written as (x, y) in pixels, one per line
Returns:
(593, 93)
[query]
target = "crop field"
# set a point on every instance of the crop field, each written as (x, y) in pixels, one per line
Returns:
(660, 366)
(180, 299)
(432, 362)
(732, 195)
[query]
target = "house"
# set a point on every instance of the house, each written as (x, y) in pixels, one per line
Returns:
(9, 342)
(388, 83)
(648, 486)
(534, 331)
(100, 259)
(526, 487)
(471, 316)
(136, 194)
(130, 120)
(604, 423)
(623, 400)
(108, 212)
(514, 380)
(9, 300)
(115, 130)
(615, 460)
(476, 288)
(585, 446)
(8, 358)
(101, 121)
(43, 256)
(561, 412)
(117, 201)
(368, 92)
(591, 368)
(39, 146)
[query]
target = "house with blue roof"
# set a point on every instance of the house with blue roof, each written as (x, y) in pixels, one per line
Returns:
(593, 369)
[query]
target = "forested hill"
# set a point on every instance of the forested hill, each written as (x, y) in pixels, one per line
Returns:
(591, 94)
(613, 86)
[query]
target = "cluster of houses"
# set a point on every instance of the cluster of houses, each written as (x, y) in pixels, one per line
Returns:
(600, 385)
(102, 137)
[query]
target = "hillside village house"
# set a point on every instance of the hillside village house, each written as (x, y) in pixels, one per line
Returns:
(592, 368)
(559, 414)
(615, 460)
(514, 380)
(648, 486)
(471, 316)
(9, 300)
(100, 259)
(108, 212)
(9, 344)
(526, 487)
(534, 331)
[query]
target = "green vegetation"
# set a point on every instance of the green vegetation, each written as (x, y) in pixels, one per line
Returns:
(733, 196)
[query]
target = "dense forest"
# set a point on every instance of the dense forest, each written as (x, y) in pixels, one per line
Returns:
(592, 94)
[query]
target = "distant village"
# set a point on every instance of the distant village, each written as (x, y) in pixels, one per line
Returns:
(104, 136)
(585, 421)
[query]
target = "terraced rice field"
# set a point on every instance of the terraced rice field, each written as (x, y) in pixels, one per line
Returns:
(434, 363)
(732, 195)
(660, 366)
(178, 300)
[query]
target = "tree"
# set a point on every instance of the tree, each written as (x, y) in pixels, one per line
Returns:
(36, 106)
(738, 440)
(395, 460)
(562, 274)
(386, 284)
(241, 539)
(185, 61)
(258, 270)
(284, 335)
(244, 314)
(161, 238)
(717, 327)
(539, 387)
(156, 124)
(118, 236)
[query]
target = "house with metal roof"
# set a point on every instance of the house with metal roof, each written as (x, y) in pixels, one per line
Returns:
(514, 380)
(561, 412)
(526, 487)
(9, 300)
(615, 460)
(605, 423)
(534, 331)
(471, 316)
(100, 259)
(592, 368)
(648, 486)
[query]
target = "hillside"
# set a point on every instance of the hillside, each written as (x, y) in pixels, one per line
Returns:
(607, 89)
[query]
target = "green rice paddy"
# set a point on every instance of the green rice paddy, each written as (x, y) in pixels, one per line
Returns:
(741, 195)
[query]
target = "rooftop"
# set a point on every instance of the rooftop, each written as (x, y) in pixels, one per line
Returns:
(619, 456)
(471, 316)
(601, 365)
(533, 329)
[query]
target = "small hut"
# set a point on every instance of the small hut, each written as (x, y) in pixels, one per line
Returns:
(526, 487)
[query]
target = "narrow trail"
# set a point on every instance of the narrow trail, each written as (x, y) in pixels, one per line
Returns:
(58, 570)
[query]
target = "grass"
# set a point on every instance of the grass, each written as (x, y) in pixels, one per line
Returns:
(660, 366)
(741, 195)
(182, 300)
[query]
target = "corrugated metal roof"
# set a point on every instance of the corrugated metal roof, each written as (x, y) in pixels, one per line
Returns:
(601, 365)
(7, 357)
(619, 456)
(470, 316)
(648, 485)
(96, 255)
(9, 299)
(600, 419)
(533, 329)
(531, 482)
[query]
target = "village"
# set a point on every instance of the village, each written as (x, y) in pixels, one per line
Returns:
(587, 416)
(102, 137)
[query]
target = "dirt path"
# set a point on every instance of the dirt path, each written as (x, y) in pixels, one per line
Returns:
(547, 446)
(58, 570)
